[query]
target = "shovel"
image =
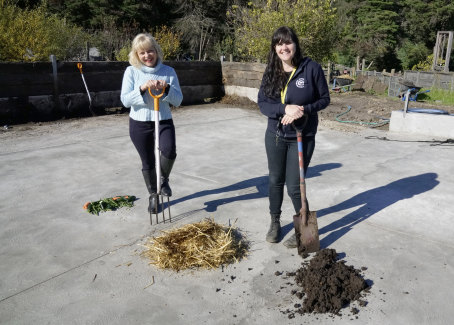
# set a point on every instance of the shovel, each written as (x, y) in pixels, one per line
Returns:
(157, 158)
(79, 66)
(305, 222)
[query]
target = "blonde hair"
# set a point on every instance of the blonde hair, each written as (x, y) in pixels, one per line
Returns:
(143, 41)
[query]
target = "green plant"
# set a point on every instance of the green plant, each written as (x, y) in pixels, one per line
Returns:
(169, 41)
(426, 65)
(166, 38)
(313, 21)
(122, 54)
(109, 204)
(445, 96)
(33, 35)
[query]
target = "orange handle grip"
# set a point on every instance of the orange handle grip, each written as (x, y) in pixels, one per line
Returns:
(79, 66)
(156, 98)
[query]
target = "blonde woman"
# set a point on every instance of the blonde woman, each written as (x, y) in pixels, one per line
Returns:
(148, 71)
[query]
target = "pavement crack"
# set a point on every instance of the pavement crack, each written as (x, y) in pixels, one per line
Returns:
(73, 268)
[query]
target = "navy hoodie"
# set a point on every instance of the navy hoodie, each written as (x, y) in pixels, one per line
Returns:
(307, 88)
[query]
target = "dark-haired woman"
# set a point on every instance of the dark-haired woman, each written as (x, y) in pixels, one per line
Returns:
(292, 86)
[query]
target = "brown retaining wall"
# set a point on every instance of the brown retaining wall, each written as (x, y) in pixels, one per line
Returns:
(44, 91)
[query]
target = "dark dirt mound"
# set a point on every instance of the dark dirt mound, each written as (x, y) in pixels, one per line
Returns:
(328, 285)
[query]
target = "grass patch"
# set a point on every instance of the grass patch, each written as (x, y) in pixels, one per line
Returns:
(438, 95)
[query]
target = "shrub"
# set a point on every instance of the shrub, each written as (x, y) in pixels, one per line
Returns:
(313, 21)
(33, 35)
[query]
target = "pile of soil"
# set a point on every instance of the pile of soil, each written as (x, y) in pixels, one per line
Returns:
(328, 285)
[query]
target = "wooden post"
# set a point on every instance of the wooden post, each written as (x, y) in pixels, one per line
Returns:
(357, 63)
(53, 59)
(231, 57)
(353, 72)
(328, 75)
(393, 71)
(363, 65)
(448, 51)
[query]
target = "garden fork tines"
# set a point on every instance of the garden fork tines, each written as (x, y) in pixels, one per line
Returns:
(157, 155)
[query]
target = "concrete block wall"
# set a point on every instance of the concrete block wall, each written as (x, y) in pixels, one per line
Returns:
(242, 79)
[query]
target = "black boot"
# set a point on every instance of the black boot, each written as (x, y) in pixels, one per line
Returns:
(150, 181)
(166, 168)
(275, 229)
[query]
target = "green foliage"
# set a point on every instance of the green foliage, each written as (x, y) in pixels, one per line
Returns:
(426, 64)
(370, 30)
(111, 38)
(225, 47)
(168, 40)
(122, 54)
(422, 19)
(411, 54)
(33, 35)
(109, 204)
(444, 96)
(313, 21)
(93, 14)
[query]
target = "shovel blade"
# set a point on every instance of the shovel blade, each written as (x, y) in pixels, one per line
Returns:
(307, 235)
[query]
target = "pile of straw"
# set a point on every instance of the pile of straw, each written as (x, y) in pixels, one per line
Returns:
(199, 245)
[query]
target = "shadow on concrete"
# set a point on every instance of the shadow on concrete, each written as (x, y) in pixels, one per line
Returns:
(371, 202)
(319, 169)
(260, 183)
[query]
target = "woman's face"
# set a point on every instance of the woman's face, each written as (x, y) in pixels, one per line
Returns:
(285, 51)
(148, 57)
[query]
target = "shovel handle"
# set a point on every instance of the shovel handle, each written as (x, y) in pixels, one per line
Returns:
(79, 66)
(304, 206)
(156, 98)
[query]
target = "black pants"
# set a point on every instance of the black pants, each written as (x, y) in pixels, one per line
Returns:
(283, 168)
(142, 136)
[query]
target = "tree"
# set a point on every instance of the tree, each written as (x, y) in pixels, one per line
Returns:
(33, 35)
(201, 24)
(370, 29)
(422, 19)
(93, 14)
(312, 20)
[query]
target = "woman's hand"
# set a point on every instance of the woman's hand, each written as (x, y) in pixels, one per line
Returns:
(287, 119)
(153, 85)
(294, 111)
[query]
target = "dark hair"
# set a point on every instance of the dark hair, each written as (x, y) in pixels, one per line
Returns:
(274, 78)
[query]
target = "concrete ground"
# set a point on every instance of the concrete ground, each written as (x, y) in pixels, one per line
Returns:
(384, 202)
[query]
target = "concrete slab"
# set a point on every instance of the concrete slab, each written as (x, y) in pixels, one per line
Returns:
(431, 125)
(384, 201)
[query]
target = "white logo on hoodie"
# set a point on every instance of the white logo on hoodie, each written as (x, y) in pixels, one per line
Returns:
(300, 83)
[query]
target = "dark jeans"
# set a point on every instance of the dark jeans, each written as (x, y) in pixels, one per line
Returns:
(283, 168)
(142, 136)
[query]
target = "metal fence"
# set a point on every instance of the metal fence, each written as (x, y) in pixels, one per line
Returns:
(422, 79)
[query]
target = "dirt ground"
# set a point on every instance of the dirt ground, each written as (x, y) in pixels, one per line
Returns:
(367, 111)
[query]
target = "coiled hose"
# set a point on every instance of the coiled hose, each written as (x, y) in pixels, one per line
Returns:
(375, 124)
